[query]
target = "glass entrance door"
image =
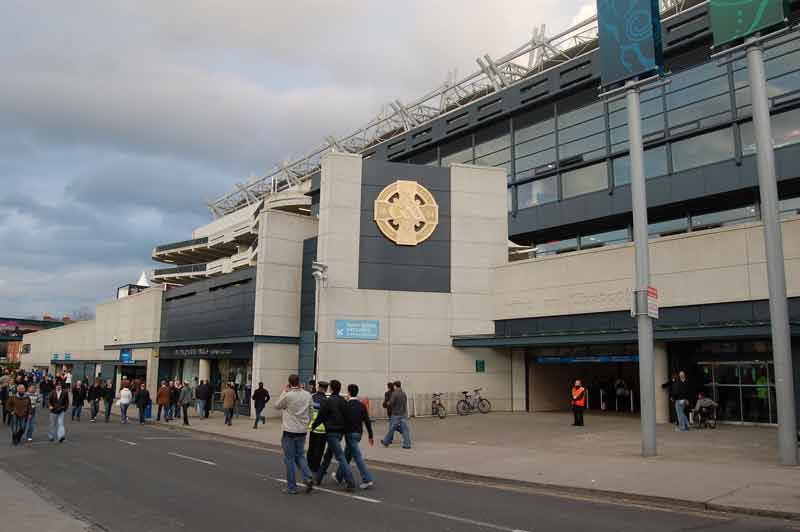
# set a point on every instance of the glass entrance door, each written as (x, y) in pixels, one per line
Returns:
(744, 391)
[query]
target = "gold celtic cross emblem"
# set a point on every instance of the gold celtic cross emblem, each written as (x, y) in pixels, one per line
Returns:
(406, 213)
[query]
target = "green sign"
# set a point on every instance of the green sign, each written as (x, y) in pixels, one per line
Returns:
(480, 366)
(732, 20)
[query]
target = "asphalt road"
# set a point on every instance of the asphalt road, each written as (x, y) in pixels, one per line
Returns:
(128, 478)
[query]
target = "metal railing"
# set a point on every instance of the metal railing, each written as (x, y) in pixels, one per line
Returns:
(189, 268)
(182, 244)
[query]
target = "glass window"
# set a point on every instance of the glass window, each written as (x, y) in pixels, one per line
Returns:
(510, 200)
(590, 127)
(555, 247)
(724, 218)
(580, 116)
(534, 124)
(655, 164)
(497, 158)
(491, 139)
(583, 180)
(537, 192)
(650, 126)
(458, 150)
(785, 131)
(702, 149)
(605, 239)
(789, 207)
(536, 162)
(705, 113)
(429, 157)
(589, 147)
(668, 227)
(534, 145)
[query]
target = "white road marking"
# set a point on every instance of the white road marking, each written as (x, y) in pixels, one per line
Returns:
(163, 437)
(473, 522)
(192, 459)
(128, 442)
(341, 494)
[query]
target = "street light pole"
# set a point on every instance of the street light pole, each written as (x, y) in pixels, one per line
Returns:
(773, 240)
(319, 272)
(644, 322)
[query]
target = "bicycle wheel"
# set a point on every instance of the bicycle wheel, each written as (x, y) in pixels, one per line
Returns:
(462, 408)
(442, 412)
(484, 406)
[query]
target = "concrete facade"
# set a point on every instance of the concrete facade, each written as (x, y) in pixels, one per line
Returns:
(414, 344)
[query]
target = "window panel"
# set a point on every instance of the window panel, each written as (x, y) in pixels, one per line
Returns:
(655, 164)
(589, 144)
(604, 239)
(785, 131)
(495, 159)
(723, 218)
(698, 74)
(702, 149)
(668, 227)
(536, 160)
(429, 157)
(579, 116)
(583, 180)
(706, 108)
(492, 139)
(556, 247)
(537, 192)
(789, 207)
(510, 200)
(457, 151)
(589, 127)
(534, 124)
(650, 125)
(534, 146)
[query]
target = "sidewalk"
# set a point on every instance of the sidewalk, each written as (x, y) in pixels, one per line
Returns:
(26, 511)
(731, 468)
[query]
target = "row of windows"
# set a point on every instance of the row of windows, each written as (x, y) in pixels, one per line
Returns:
(543, 149)
(683, 224)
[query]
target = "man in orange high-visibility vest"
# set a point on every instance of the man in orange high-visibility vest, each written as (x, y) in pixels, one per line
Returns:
(578, 403)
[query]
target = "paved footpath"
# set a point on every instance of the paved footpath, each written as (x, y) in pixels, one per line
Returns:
(731, 468)
(130, 478)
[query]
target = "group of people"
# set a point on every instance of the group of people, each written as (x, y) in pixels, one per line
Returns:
(681, 394)
(174, 399)
(336, 424)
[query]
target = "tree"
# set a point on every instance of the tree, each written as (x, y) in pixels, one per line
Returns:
(82, 314)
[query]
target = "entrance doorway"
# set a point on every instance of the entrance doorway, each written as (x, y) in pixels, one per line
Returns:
(744, 391)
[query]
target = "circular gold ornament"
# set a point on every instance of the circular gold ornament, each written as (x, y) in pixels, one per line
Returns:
(406, 213)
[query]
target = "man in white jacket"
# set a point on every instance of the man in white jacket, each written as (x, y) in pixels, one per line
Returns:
(296, 405)
(125, 398)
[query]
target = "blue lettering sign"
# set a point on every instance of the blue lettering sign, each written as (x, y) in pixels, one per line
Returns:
(357, 329)
(588, 359)
(630, 39)
(54, 356)
(67, 356)
(125, 356)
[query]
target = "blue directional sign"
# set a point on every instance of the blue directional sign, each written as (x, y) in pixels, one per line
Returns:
(357, 329)
(67, 356)
(588, 359)
(630, 39)
(54, 356)
(125, 356)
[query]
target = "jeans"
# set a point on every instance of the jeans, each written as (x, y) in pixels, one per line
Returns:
(398, 423)
(123, 412)
(31, 425)
(680, 411)
(294, 456)
(334, 441)
(56, 430)
(176, 410)
(95, 408)
(201, 408)
(353, 451)
(258, 416)
(108, 410)
(17, 428)
(76, 411)
(228, 416)
(165, 408)
(45, 398)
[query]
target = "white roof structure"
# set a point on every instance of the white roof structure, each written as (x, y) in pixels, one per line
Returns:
(143, 280)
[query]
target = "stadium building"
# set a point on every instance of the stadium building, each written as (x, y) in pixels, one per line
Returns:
(481, 237)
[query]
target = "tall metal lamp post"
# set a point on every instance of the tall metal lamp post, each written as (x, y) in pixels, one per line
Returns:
(319, 271)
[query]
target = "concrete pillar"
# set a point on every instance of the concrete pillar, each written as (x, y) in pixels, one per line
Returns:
(661, 371)
(518, 380)
(204, 370)
(152, 371)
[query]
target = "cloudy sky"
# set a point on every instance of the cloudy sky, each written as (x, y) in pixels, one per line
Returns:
(119, 120)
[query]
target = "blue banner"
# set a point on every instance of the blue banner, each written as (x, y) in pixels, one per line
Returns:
(67, 356)
(588, 359)
(125, 356)
(54, 356)
(357, 329)
(630, 39)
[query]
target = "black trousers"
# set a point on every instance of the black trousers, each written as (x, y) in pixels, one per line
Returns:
(166, 413)
(577, 413)
(185, 409)
(316, 449)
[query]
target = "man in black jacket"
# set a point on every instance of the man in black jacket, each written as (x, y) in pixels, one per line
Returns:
(203, 393)
(331, 413)
(355, 418)
(682, 393)
(78, 398)
(93, 396)
(260, 400)
(142, 400)
(58, 403)
(316, 437)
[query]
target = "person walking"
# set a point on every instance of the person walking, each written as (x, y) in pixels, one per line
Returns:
(93, 394)
(163, 399)
(5, 383)
(398, 405)
(228, 403)
(387, 395)
(45, 389)
(316, 439)
(295, 404)
(203, 393)
(19, 405)
(58, 403)
(78, 399)
(185, 401)
(68, 380)
(682, 393)
(578, 400)
(174, 399)
(260, 400)
(143, 401)
(108, 399)
(331, 413)
(34, 396)
(355, 418)
(125, 398)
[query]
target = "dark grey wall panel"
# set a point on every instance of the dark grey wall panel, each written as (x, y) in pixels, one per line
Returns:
(383, 265)
(220, 307)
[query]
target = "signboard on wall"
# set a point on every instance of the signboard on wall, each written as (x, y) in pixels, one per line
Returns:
(732, 20)
(54, 356)
(630, 39)
(125, 356)
(67, 356)
(357, 329)
(480, 366)
(588, 359)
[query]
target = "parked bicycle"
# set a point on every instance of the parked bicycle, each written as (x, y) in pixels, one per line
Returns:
(437, 406)
(473, 402)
